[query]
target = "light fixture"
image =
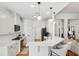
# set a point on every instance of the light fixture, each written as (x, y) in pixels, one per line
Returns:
(52, 16)
(51, 19)
(39, 16)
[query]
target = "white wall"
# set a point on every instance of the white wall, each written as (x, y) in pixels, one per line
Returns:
(7, 22)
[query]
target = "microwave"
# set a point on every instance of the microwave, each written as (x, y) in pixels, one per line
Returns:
(16, 28)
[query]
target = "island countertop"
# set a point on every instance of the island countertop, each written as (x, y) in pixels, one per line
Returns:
(50, 42)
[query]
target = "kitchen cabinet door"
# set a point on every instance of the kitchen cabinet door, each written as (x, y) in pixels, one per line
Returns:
(42, 50)
(17, 46)
(3, 51)
(12, 50)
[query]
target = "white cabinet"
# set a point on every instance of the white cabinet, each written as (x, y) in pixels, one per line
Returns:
(38, 50)
(10, 50)
(17, 46)
(3, 51)
(43, 51)
(14, 48)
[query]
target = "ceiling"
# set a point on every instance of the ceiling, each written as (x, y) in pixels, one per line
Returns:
(27, 12)
(71, 8)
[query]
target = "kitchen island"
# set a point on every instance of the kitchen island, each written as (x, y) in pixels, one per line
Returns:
(42, 48)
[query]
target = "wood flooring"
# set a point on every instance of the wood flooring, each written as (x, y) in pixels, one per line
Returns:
(24, 53)
(70, 53)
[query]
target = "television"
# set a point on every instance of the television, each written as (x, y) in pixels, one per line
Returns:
(16, 28)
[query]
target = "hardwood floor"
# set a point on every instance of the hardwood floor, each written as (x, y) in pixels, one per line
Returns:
(22, 54)
(70, 53)
(25, 52)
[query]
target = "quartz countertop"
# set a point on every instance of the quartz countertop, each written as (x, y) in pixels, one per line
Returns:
(6, 41)
(48, 42)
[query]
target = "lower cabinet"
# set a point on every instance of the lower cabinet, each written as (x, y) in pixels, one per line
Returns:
(18, 46)
(42, 50)
(14, 49)
(38, 50)
(10, 50)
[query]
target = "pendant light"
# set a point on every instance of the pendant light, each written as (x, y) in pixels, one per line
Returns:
(52, 16)
(39, 16)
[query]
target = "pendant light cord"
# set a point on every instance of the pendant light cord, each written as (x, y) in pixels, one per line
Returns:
(51, 12)
(39, 7)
